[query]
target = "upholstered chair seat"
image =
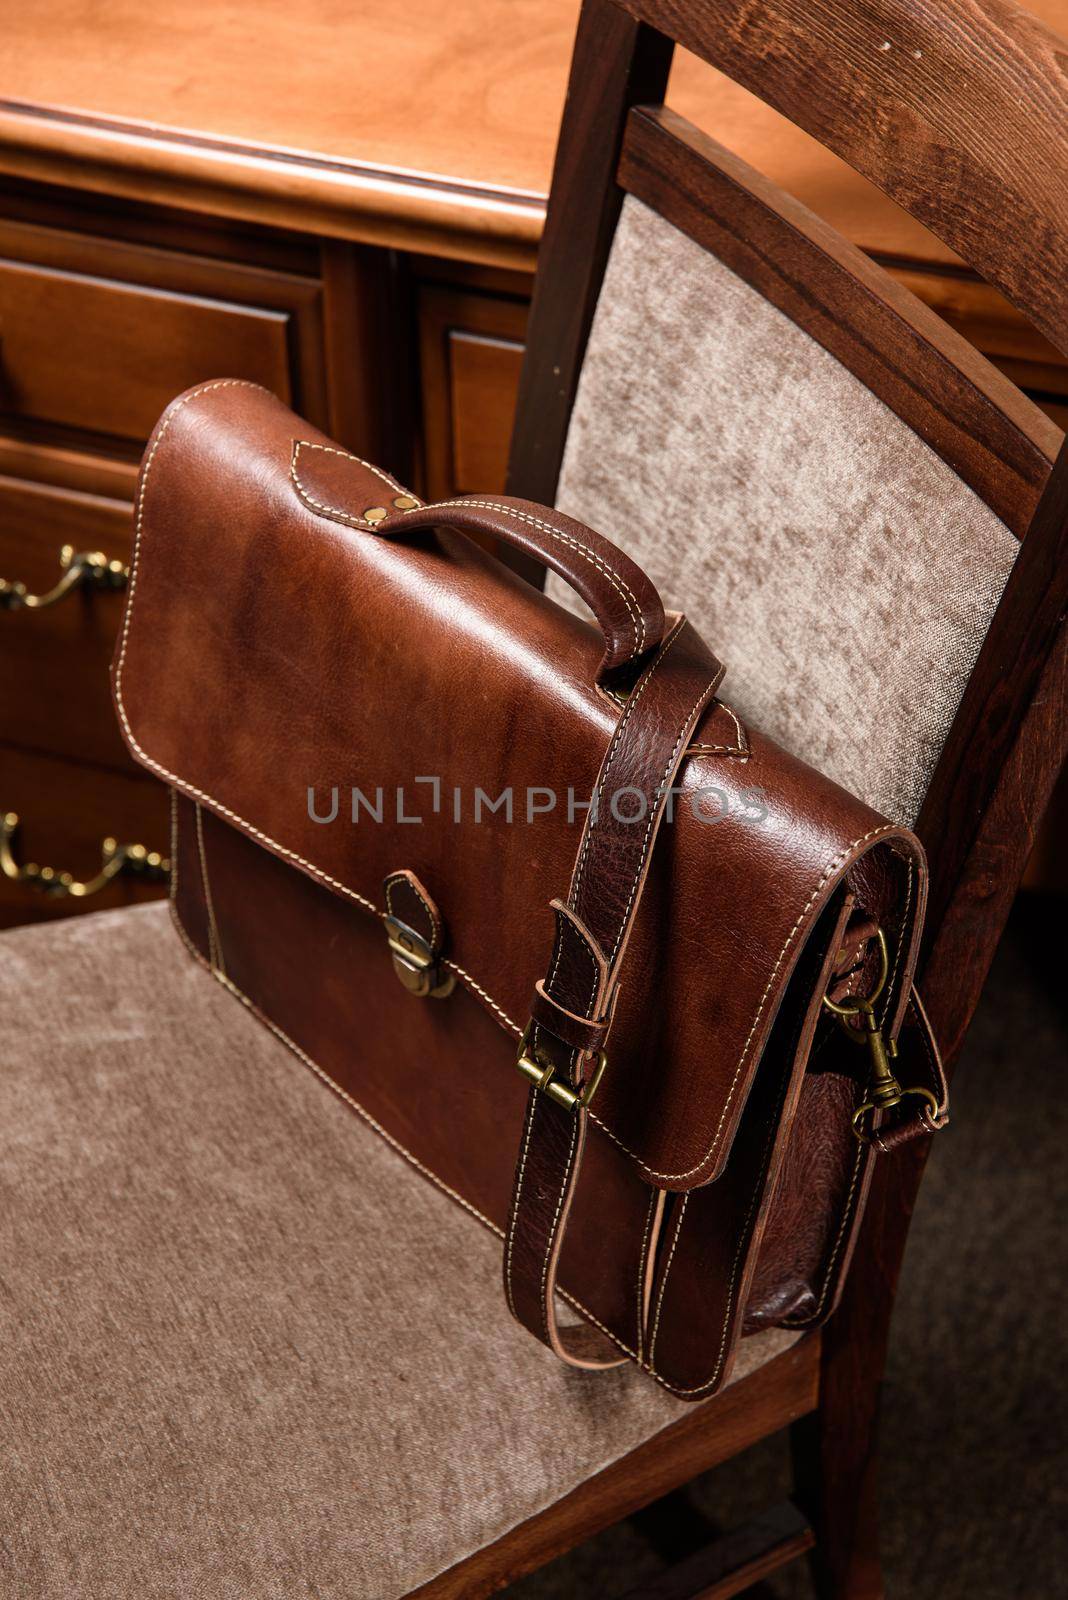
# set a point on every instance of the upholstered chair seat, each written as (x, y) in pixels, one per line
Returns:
(245, 1347)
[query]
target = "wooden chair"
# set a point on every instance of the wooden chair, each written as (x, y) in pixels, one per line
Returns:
(957, 111)
(218, 1286)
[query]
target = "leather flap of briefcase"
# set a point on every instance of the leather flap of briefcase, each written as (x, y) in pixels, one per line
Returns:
(364, 695)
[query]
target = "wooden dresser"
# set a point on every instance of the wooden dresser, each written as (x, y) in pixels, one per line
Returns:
(343, 203)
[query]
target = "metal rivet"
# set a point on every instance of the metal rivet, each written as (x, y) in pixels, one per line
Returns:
(405, 502)
(375, 514)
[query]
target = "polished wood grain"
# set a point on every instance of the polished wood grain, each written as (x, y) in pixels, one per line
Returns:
(132, 326)
(987, 320)
(101, 474)
(735, 1562)
(960, 83)
(361, 357)
(157, 342)
(366, 350)
(398, 122)
(37, 519)
(471, 352)
(618, 63)
(835, 1448)
(484, 376)
(1027, 626)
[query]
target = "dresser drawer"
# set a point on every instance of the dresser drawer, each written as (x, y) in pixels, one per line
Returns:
(108, 356)
(54, 692)
(483, 384)
(471, 353)
(66, 810)
(98, 337)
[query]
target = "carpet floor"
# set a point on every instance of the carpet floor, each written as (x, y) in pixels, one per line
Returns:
(974, 1461)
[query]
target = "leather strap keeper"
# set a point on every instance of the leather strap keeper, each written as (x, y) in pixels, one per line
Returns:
(582, 1034)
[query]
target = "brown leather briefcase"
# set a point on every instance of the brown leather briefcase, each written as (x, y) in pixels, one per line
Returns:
(627, 981)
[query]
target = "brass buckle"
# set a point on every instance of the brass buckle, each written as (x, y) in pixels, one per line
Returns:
(542, 1075)
(415, 963)
(883, 1089)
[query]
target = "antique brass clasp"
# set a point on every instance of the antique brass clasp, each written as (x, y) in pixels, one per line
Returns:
(860, 1024)
(541, 1074)
(415, 963)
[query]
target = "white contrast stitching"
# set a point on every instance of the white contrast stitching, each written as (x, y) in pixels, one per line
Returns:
(710, 1383)
(845, 1219)
(346, 455)
(520, 1175)
(191, 790)
(619, 937)
(621, 1344)
(743, 739)
(411, 882)
(214, 942)
(652, 820)
(900, 943)
(624, 590)
(663, 1282)
(172, 886)
(343, 1094)
(188, 788)
(196, 793)
(741, 746)
(561, 926)
(758, 1187)
(938, 1076)
(653, 1197)
(829, 870)
(844, 1222)
(435, 926)
(556, 1218)
(488, 998)
(204, 884)
(598, 792)
(618, 583)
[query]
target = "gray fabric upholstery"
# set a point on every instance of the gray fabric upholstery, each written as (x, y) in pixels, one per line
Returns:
(245, 1348)
(841, 570)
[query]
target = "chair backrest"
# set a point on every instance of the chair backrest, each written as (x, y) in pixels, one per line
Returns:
(868, 521)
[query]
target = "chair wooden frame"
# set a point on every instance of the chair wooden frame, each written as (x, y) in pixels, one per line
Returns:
(974, 95)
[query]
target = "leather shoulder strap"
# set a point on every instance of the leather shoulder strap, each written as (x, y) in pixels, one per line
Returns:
(571, 1012)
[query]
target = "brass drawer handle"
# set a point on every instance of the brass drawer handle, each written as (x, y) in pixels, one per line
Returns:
(115, 858)
(82, 569)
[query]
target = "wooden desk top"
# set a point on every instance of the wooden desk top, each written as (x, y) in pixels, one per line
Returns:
(420, 123)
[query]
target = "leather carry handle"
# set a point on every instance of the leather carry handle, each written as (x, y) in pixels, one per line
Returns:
(622, 598)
